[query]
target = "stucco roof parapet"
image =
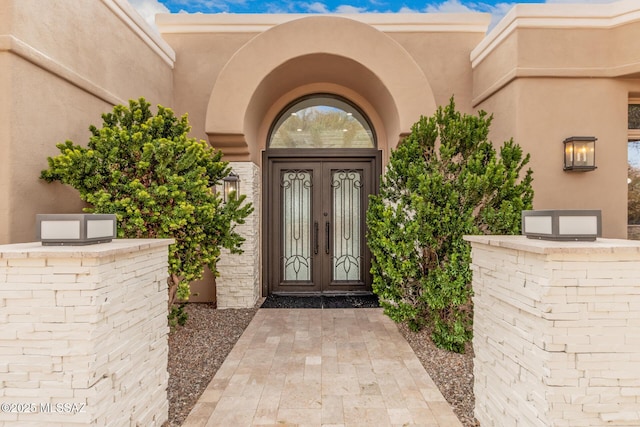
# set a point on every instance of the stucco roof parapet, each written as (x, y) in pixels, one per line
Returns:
(556, 16)
(386, 22)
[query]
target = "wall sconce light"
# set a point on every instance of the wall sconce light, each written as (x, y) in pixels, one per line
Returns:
(580, 153)
(231, 185)
(75, 229)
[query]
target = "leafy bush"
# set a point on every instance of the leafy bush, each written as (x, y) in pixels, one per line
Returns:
(177, 315)
(143, 168)
(444, 181)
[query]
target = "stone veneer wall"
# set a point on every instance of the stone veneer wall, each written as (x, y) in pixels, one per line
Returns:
(84, 334)
(238, 285)
(556, 332)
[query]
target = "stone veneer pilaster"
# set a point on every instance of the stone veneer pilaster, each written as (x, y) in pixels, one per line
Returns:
(238, 285)
(84, 333)
(556, 332)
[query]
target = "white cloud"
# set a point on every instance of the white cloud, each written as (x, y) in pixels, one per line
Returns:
(275, 8)
(148, 9)
(316, 7)
(207, 6)
(497, 11)
(448, 6)
(349, 9)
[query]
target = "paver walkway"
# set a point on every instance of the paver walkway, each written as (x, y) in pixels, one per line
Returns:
(322, 367)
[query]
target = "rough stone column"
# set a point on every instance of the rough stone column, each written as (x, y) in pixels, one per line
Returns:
(84, 334)
(238, 285)
(556, 332)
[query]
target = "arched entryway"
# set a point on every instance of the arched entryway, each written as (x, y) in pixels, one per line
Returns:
(310, 55)
(340, 59)
(320, 166)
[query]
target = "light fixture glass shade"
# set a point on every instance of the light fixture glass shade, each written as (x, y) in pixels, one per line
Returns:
(562, 224)
(580, 153)
(231, 186)
(75, 229)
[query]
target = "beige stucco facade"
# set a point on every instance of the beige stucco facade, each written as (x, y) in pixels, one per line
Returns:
(59, 71)
(235, 73)
(546, 72)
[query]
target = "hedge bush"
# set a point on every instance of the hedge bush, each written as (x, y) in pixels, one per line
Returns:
(444, 181)
(159, 183)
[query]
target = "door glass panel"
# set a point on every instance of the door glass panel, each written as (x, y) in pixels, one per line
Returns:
(296, 219)
(346, 187)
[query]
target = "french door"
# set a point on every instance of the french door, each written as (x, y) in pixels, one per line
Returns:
(315, 224)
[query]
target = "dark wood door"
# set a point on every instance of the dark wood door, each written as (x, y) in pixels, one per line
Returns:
(315, 228)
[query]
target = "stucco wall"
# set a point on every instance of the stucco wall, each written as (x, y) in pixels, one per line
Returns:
(59, 71)
(546, 72)
(595, 107)
(549, 72)
(449, 74)
(251, 66)
(199, 59)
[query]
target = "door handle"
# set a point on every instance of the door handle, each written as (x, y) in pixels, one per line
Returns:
(326, 240)
(315, 237)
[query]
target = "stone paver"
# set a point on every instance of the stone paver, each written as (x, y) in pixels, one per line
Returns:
(314, 367)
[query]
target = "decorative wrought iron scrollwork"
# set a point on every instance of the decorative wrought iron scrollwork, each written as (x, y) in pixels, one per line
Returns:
(296, 218)
(347, 216)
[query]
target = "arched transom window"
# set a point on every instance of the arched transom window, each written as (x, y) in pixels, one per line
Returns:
(322, 121)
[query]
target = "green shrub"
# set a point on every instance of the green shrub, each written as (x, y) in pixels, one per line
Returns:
(177, 315)
(143, 168)
(444, 181)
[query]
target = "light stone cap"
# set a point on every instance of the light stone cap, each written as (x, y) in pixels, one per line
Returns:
(522, 243)
(116, 246)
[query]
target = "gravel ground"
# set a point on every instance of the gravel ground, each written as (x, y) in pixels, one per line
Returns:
(197, 350)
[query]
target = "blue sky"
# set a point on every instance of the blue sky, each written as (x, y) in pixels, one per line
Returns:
(498, 8)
